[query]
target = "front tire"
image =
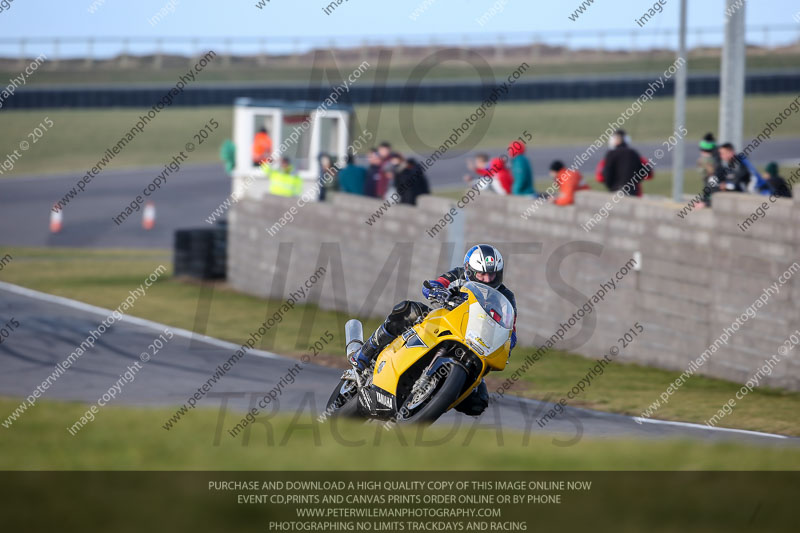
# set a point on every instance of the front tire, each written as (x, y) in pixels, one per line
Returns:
(446, 392)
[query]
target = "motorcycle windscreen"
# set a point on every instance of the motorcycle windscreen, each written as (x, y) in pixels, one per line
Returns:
(493, 302)
(484, 333)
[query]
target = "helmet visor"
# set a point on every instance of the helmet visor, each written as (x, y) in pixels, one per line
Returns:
(485, 277)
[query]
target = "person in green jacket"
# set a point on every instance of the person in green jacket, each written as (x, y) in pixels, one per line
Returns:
(227, 153)
(352, 177)
(521, 170)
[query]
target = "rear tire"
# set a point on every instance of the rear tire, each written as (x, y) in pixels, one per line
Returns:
(446, 393)
(343, 404)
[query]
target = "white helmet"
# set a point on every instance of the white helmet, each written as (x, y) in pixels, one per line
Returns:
(487, 259)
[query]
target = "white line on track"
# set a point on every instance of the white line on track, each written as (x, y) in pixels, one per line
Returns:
(703, 426)
(74, 304)
(639, 420)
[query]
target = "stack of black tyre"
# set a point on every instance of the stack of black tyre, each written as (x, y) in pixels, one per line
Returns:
(201, 253)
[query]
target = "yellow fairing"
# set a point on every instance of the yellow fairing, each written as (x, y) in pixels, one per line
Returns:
(397, 358)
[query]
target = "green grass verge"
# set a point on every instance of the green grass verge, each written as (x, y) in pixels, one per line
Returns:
(125, 438)
(80, 137)
(576, 123)
(103, 277)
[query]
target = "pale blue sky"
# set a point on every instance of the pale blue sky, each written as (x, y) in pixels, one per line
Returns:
(282, 21)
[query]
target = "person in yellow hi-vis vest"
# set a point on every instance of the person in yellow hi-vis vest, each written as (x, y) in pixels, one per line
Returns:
(283, 181)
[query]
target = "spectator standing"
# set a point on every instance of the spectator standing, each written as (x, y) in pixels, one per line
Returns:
(732, 173)
(373, 173)
(327, 176)
(520, 170)
(227, 152)
(707, 164)
(262, 147)
(352, 178)
(777, 185)
(385, 151)
(568, 181)
(385, 175)
(409, 179)
(500, 179)
(622, 166)
(421, 180)
(598, 172)
(476, 167)
(499, 174)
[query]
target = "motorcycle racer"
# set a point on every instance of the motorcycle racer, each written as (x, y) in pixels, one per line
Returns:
(483, 263)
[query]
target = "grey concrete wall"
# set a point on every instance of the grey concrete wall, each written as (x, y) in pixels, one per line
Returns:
(696, 274)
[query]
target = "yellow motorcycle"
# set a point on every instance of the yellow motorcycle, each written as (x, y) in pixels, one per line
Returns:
(432, 366)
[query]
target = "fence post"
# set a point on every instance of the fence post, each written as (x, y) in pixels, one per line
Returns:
(89, 59)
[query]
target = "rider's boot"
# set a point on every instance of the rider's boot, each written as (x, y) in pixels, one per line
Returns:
(403, 316)
(476, 403)
(372, 347)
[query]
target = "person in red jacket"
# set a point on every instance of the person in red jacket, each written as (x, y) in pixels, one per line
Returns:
(502, 179)
(569, 181)
(262, 147)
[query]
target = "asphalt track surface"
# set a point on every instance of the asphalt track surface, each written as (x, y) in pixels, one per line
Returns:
(190, 196)
(52, 327)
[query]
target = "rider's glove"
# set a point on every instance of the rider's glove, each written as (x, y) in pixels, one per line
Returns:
(513, 340)
(435, 286)
(360, 361)
(439, 294)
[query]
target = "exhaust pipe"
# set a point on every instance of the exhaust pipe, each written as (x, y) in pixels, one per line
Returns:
(353, 336)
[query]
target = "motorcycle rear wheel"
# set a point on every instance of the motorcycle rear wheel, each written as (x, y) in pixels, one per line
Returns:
(343, 402)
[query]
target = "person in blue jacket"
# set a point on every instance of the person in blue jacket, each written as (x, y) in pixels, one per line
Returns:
(352, 178)
(520, 170)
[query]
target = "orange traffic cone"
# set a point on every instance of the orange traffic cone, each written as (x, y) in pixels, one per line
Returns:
(56, 220)
(149, 216)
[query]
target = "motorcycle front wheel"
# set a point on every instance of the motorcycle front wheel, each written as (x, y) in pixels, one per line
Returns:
(426, 406)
